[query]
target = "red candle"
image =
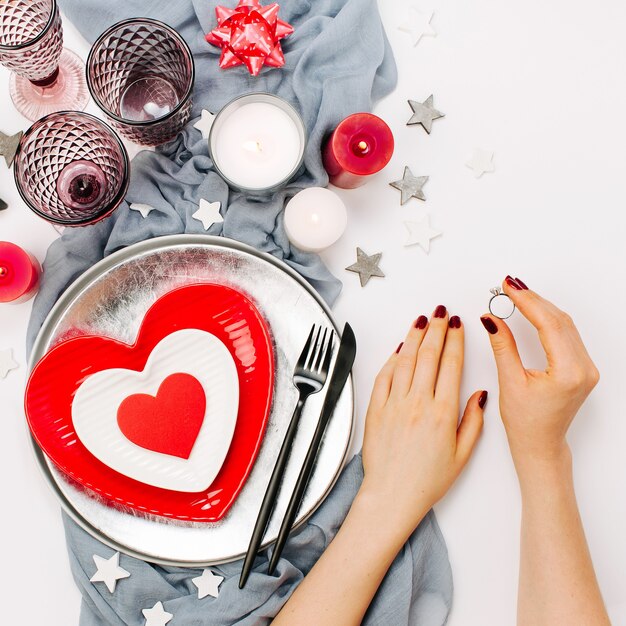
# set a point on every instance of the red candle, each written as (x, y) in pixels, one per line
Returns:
(360, 146)
(19, 273)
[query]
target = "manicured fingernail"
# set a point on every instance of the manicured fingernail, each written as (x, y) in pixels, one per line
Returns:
(490, 325)
(421, 322)
(521, 283)
(399, 347)
(482, 399)
(511, 283)
(455, 322)
(440, 311)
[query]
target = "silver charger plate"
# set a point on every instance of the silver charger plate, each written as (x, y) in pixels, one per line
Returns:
(112, 297)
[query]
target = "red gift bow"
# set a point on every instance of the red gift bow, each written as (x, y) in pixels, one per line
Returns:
(250, 35)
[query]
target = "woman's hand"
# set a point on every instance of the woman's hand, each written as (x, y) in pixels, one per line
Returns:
(414, 446)
(537, 407)
(557, 583)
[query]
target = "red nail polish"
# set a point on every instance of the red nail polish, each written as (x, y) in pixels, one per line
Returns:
(421, 322)
(482, 399)
(455, 322)
(521, 283)
(489, 325)
(511, 282)
(440, 311)
(399, 347)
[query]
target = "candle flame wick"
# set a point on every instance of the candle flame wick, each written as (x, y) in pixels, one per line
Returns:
(362, 146)
(3, 271)
(253, 146)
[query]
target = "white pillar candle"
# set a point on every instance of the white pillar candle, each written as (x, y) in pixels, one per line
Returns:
(257, 142)
(315, 218)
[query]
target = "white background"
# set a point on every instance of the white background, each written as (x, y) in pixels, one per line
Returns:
(540, 83)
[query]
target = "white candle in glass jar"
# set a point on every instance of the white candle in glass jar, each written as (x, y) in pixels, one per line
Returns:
(257, 142)
(315, 218)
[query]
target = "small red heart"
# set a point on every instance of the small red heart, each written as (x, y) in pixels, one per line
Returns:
(169, 422)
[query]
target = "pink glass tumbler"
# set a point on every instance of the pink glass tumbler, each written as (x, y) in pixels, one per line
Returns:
(45, 77)
(71, 169)
(140, 72)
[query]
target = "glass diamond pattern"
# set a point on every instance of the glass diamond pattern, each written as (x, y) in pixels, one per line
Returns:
(22, 21)
(57, 141)
(137, 50)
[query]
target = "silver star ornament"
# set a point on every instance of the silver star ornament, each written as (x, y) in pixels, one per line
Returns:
(366, 266)
(424, 113)
(421, 233)
(410, 186)
(8, 146)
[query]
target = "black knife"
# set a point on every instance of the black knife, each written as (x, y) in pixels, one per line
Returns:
(341, 371)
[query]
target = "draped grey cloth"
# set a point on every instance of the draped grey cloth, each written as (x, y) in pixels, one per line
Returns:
(338, 62)
(417, 590)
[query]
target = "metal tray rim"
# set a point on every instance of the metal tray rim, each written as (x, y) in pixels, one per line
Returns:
(64, 301)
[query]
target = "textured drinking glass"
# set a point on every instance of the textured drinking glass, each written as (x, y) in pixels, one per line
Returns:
(140, 73)
(71, 169)
(45, 77)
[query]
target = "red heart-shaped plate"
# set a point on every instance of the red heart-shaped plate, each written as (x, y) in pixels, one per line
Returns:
(216, 309)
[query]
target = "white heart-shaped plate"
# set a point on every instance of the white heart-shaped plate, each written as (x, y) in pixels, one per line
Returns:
(190, 351)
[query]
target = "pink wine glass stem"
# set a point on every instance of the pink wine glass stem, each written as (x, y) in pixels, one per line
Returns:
(49, 81)
(45, 77)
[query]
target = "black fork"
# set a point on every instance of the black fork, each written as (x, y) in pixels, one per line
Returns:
(309, 377)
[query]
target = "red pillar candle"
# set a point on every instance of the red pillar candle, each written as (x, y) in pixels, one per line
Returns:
(19, 273)
(360, 146)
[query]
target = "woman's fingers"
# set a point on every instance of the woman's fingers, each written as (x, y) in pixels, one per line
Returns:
(382, 383)
(470, 427)
(451, 366)
(504, 348)
(407, 357)
(429, 355)
(579, 345)
(549, 321)
(567, 355)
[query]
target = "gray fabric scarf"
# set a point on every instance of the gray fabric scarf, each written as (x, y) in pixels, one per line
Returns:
(338, 62)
